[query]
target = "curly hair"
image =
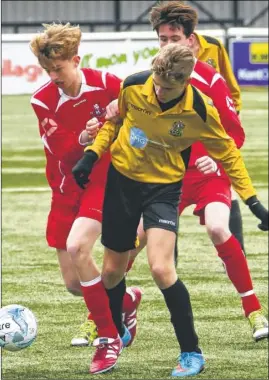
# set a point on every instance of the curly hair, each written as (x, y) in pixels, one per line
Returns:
(175, 13)
(174, 63)
(56, 41)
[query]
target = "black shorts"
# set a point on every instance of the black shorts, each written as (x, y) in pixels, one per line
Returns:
(127, 200)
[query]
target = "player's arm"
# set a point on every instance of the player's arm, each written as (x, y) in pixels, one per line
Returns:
(102, 143)
(104, 139)
(108, 132)
(65, 145)
(227, 72)
(92, 153)
(222, 99)
(222, 148)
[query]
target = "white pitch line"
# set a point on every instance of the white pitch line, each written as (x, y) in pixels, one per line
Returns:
(12, 139)
(23, 158)
(25, 189)
(23, 148)
(22, 170)
(18, 116)
(255, 112)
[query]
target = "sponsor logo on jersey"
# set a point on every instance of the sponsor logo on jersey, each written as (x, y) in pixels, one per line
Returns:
(139, 139)
(143, 110)
(177, 129)
(77, 104)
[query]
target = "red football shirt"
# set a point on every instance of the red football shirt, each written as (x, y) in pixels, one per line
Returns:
(63, 118)
(211, 83)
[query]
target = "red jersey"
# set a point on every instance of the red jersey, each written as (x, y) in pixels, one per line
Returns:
(63, 118)
(211, 83)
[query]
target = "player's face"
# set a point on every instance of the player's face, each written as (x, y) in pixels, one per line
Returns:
(166, 90)
(63, 72)
(168, 35)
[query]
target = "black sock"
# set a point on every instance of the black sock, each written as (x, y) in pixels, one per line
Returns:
(178, 302)
(236, 223)
(115, 296)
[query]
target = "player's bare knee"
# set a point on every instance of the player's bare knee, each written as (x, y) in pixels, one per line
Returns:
(78, 251)
(111, 276)
(218, 233)
(160, 271)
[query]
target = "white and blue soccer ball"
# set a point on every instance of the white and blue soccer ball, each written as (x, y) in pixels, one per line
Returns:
(18, 327)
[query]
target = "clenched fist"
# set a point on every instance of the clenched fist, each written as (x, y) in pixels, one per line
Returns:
(92, 127)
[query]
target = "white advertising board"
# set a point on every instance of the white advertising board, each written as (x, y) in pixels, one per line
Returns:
(119, 53)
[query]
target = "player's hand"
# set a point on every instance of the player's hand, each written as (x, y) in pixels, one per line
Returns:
(206, 165)
(112, 112)
(259, 211)
(92, 127)
(83, 168)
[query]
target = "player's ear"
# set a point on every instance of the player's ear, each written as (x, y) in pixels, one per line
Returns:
(76, 60)
(192, 40)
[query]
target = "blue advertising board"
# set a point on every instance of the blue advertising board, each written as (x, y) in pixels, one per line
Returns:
(249, 57)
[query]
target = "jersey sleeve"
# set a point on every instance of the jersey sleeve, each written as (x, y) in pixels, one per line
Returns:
(221, 97)
(63, 144)
(223, 149)
(227, 72)
(109, 130)
(104, 139)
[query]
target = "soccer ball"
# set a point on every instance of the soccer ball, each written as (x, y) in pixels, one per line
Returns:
(18, 327)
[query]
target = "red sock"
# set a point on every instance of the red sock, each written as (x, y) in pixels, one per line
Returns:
(234, 259)
(97, 302)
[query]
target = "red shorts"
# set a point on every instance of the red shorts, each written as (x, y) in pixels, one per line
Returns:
(202, 192)
(65, 209)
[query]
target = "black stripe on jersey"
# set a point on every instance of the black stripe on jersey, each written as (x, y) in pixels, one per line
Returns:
(185, 154)
(137, 78)
(212, 40)
(198, 104)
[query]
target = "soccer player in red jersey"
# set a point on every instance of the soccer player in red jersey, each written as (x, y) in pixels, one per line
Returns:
(175, 21)
(63, 107)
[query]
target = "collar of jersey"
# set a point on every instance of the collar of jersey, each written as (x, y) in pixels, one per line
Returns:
(185, 104)
(202, 42)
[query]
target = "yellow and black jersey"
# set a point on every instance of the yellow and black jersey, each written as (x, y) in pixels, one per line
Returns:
(214, 53)
(149, 143)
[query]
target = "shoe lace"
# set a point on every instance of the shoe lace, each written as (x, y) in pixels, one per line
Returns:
(101, 350)
(257, 320)
(87, 328)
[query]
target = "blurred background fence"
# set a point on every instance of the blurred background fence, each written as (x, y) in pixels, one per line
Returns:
(100, 16)
(117, 37)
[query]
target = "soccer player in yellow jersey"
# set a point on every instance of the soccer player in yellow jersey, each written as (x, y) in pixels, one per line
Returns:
(175, 22)
(162, 116)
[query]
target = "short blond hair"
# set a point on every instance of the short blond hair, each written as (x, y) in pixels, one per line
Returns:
(56, 41)
(174, 63)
